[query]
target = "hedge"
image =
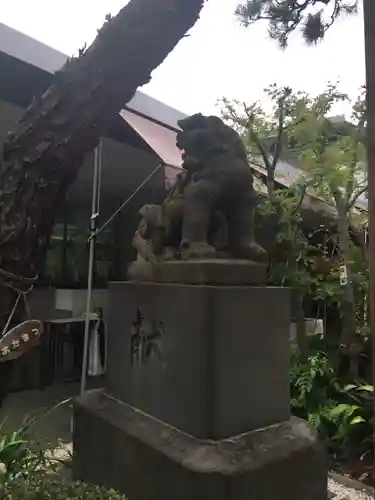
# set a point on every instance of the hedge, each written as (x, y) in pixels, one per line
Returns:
(44, 488)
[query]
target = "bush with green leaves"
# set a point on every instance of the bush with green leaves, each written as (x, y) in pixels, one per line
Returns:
(25, 471)
(313, 386)
(351, 421)
(342, 412)
(45, 488)
(20, 456)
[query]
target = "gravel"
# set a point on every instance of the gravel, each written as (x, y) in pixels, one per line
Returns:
(339, 492)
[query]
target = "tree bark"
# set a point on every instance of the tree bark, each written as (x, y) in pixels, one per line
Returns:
(348, 309)
(369, 18)
(43, 154)
(348, 303)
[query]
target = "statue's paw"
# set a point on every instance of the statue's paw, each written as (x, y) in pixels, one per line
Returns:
(170, 253)
(197, 250)
(251, 251)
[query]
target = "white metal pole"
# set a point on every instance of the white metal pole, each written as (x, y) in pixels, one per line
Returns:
(94, 216)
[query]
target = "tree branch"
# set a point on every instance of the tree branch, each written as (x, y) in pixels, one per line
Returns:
(356, 195)
(354, 160)
(281, 129)
(256, 163)
(285, 16)
(302, 197)
(254, 136)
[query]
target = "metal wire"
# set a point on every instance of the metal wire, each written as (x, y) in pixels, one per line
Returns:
(94, 233)
(100, 229)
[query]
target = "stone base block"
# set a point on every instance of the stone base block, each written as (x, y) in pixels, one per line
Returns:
(218, 362)
(120, 447)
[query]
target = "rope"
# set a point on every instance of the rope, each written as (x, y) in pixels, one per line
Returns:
(100, 229)
(5, 329)
(6, 275)
(22, 294)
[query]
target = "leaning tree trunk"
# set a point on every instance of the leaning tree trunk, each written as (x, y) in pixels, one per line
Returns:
(369, 16)
(48, 145)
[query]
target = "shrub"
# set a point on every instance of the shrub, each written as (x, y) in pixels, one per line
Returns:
(20, 455)
(351, 421)
(341, 412)
(312, 386)
(24, 472)
(44, 488)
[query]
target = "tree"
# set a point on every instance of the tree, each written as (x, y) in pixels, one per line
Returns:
(369, 18)
(267, 136)
(43, 154)
(314, 17)
(331, 158)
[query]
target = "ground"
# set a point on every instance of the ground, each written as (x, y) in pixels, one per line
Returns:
(53, 431)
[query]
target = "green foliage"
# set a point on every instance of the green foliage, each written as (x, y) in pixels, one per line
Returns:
(25, 472)
(290, 268)
(325, 286)
(287, 129)
(314, 17)
(333, 162)
(44, 488)
(353, 420)
(297, 128)
(19, 455)
(343, 413)
(333, 155)
(266, 132)
(312, 384)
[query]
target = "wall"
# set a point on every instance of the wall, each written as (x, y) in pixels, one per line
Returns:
(50, 303)
(73, 302)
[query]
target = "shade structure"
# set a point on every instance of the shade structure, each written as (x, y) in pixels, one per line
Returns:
(161, 139)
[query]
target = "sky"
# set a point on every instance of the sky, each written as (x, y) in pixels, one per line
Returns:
(219, 58)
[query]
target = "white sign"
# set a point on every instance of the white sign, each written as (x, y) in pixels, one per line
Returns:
(343, 275)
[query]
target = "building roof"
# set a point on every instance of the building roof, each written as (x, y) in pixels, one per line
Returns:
(37, 57)
(36, 54)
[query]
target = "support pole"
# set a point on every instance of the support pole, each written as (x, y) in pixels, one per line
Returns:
(93, 235)
(369, 20)
(94, 215)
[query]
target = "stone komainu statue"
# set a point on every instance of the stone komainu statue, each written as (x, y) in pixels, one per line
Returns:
(210, 211)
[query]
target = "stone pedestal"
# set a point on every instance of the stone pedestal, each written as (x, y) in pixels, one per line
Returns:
(196, 403)
(200, 272)
(118, 446)
(225, 355)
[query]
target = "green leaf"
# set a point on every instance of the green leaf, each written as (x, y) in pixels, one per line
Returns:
(343, 408)
(368, 388)
(357, 420)
(349, 387)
